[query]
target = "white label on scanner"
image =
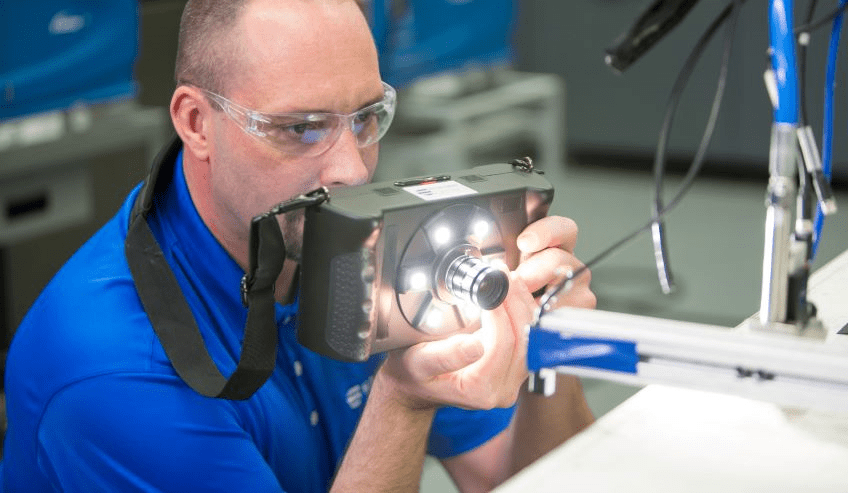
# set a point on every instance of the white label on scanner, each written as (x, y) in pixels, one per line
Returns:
(440, 190)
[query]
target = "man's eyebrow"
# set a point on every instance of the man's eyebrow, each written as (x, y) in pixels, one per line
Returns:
(372, 101)
(368, 103)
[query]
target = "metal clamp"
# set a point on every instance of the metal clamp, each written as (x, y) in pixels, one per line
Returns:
(523, 164)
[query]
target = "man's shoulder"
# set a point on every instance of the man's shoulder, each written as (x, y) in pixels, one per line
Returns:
(92, 288)
(87, 321)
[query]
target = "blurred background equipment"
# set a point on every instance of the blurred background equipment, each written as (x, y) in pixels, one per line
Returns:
(58, 53)
(418, 39)
(459, 94)
(73, 137)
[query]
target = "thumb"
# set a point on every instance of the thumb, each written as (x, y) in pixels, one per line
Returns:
(428, 360)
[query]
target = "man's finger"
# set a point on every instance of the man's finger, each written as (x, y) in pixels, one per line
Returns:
(550, 231)
(546, 266)
(428, 360)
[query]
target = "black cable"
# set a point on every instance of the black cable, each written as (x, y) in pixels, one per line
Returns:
(812, 26)
(735, 8)
(661, 252)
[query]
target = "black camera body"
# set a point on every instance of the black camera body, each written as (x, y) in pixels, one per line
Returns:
(390, 264)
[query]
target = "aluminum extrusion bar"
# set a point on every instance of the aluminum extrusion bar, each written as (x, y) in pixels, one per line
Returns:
(779, 363)
(767, 365)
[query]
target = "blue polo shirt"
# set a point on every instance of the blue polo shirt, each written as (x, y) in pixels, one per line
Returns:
(94, 404)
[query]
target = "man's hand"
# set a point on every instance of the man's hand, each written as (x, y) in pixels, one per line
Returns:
(547, 248)
(487, 368)
(479, 371)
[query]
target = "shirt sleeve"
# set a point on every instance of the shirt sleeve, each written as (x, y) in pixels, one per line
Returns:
(456, 431)
(142, 432)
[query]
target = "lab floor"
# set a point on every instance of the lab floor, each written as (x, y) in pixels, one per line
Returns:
(715, 239)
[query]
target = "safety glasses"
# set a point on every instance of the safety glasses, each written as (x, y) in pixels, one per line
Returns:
(311, 134)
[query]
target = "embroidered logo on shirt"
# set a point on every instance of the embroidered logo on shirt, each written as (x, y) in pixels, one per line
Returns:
(356, 394)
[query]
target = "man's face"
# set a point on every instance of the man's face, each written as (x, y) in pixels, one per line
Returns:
(296, 57)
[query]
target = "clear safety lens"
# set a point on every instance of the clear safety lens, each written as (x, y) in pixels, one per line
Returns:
(311, 134)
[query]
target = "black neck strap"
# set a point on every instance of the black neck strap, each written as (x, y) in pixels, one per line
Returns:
(170, 314)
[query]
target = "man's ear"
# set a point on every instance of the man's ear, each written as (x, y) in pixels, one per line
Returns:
(190, 113)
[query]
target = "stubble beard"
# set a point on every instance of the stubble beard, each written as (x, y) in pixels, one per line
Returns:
(292, 229)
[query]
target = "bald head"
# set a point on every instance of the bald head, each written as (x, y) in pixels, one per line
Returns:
(207, 50)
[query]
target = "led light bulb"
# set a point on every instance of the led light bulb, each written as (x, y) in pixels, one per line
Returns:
(417, 281)
(442, 235)
(435, 317)
(481, 229)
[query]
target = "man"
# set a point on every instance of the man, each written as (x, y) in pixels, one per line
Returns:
(94, 403)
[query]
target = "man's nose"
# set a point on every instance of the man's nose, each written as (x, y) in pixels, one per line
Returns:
(346, 162)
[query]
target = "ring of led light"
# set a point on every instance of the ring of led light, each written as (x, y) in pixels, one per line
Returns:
(428, 251)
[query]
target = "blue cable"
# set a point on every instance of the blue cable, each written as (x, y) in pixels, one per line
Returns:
(783, 61)
(827, 124)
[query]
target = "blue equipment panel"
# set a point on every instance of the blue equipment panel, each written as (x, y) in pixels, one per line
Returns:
(55, 53)
(416, 38)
